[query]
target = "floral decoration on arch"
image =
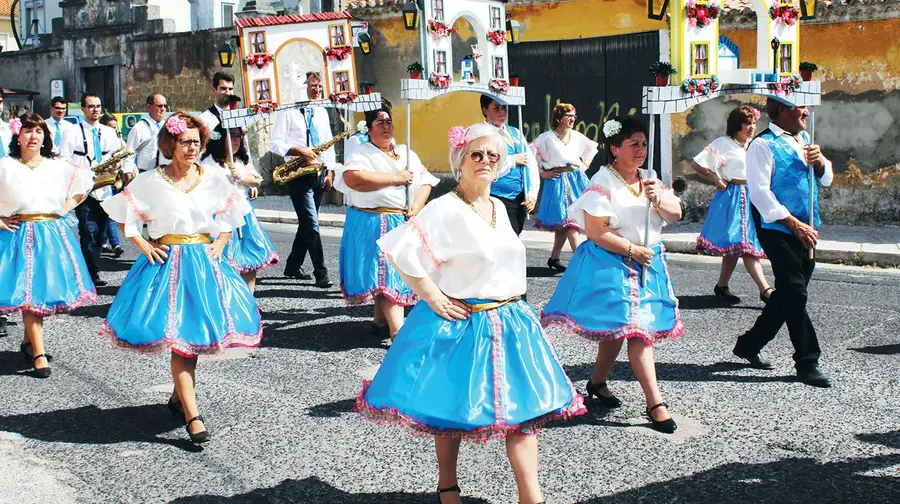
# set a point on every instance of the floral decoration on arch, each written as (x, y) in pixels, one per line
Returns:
(439, 81)
(700, 86)
(337, 53)
(786, 85)
(497, 37)
(342, 98)
(701, 15)
(498, 85)
(439, 29)
(787, 14)
(263, 108)
(260, 61)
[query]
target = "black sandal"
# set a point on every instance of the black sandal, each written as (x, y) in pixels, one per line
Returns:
(555, 265)
(764, 297)
(724, 293)
(27, 355)
(454, 488)
(666, 426)
(200, 437)
(593, 390)
(42, 372)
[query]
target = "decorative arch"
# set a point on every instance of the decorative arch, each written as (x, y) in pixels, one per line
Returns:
(326, 80)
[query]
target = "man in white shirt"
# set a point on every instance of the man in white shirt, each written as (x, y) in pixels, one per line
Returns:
(89, 144)
(142, 137)
(57, 124)
(295, 133)
(778, 179)
(223, 88)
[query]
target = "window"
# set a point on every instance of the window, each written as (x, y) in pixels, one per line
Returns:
(258, 42)
(496, 20)
(4, 40)
(438, 7)
(498, 68)
(440, 62)
(786, 58)
(337, 35)
(263, 92)
(342, 82)
(227, 15)
(700, 56)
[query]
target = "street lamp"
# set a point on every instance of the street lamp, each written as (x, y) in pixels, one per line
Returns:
(775, 44)
(513, 30)
(411, 15)
(808, 9)
(656, 9)
(226, 55)
(365, 42)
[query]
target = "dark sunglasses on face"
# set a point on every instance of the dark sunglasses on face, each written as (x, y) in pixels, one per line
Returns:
(478, 156)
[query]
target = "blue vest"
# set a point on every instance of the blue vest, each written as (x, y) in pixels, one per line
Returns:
(516, 181)
(790, 181)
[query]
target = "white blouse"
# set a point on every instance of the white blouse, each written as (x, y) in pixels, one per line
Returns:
(725, 157)
(210, 207)
(607, 196)
(42, 190)
(454, 246)
(553, 153)
(367, 157)
(244, 170)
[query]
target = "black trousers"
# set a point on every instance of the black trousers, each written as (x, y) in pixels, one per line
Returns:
(306, 196)
(92, 222)
(793, 269)
(515, 211)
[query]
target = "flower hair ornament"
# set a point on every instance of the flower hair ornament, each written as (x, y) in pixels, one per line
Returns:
(756, 114)
(213, 135)
(612, 128)
(15, 126)
(362, 128)
(176, 125)
(457, 137)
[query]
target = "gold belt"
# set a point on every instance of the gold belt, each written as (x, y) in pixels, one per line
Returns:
(382, 210)
(184, 239)
(38, 217)
(564, 168)
(492, 305)
(737, 181)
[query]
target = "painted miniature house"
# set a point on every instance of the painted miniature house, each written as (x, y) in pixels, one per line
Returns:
(694, 38)
(729, 54)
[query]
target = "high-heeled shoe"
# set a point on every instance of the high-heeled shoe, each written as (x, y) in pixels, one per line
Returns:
(666, 426)
(175, 408)
(593, 390)
(454, 488)
(200, 437)
(555, 265)
(42, 372)
(766, 295)
(23, 349)
(724, 293)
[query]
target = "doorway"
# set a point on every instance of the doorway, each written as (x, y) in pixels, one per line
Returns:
(101, 80)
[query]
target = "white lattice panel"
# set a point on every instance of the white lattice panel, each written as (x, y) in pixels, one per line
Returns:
(243, 118)
(672, 100)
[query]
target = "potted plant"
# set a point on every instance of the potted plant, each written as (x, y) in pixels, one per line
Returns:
(662, 70)
(415, 70)
(367, 87)
(806, 70)
(513, 79)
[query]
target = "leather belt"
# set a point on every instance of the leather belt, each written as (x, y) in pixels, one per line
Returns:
(737, 181)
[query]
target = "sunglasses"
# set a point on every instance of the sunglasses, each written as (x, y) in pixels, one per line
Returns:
(478, 156)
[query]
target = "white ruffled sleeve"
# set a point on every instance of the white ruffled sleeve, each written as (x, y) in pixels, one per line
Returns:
(709, 157)
(410, 246)
(81, 180)
(596, 201)
(357, 162)
(589, 149)
(228, 215)
(128, 209)
(422, 177)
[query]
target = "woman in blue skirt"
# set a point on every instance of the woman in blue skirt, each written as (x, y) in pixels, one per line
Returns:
(471, 362)
(617, 287)
(383, 187)
(564, 155)
(42, 271)
(180, 295)
(250, 248)
(728, 230)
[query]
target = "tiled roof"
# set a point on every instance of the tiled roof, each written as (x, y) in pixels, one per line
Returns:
(290, 19)
(5, 7)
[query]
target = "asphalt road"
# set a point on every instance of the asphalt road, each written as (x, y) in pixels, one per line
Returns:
(284, 432)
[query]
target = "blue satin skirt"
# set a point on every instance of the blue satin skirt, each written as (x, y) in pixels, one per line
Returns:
(556, 196)
(42, 270)
(728, 230)
(190, 303)
(363, 268)
(486, 377)
(600, 298)
(250, 249)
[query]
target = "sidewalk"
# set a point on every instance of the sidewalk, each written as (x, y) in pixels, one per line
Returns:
(856, 245)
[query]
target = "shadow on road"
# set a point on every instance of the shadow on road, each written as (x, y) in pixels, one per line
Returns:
(541, 272)
(298, 292)
(711, 303)
(327, 336)
(718, 372)
(879, 350)
(890, 439)
(92, 425)
(12, 363)
(313, 490)
(98, 310)
(332, 409)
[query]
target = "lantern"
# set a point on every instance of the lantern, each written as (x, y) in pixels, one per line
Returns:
(808, 9)
(411, 15)
(656, 9)
(226, 55)
(365, 42)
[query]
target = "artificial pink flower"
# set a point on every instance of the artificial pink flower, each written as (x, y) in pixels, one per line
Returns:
(15, 126)
(457, 137)
(176, 125)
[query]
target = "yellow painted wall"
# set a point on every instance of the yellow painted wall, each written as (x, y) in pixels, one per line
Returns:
(550, 21)
(6, 28)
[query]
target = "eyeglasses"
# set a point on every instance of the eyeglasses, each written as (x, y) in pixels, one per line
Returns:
(93, 106)
(163, 106)
(573, 116)
(187, 144)
(61, 109)
(478, 156)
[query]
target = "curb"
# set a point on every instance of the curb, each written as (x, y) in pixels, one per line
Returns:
(828, 251)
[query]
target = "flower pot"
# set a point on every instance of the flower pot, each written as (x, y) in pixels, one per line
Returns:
(513, 81)
(806, 75)
(662, 80)
(367, 90)
(415, 74)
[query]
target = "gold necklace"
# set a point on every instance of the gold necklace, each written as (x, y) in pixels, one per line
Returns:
(637, 194)
(492, 222)
(34, 162)
(567, 138)
(391, 153)
(162, 172)
(739, 143)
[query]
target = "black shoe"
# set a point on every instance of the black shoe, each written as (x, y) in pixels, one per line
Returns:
(299, 274)
(42, 372)
(593, 391)
(323, 282)
(175, 408)
(99, 282)
(666, 426)
(117, 252)
(555, 265)
(765, 295)
(200, 437)
(23, 349)
(813, 376)
(382, 331)
(4, 332)
(755, 359)
(454, 488)
(724, 293)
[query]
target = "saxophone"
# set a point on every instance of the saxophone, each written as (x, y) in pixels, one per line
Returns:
(299, 166)
(106, 173)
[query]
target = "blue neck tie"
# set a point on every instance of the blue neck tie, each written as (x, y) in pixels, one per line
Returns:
(98, 151)
(57, 139)
(2, 148)
(313, 135)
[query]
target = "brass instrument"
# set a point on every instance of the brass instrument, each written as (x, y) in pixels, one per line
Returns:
(299, 166)
(107, 173)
